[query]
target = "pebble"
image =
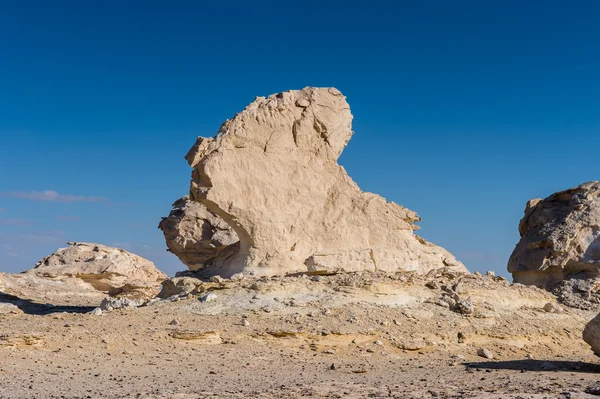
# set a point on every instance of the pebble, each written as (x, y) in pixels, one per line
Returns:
(96, 312)
(209, 297)
(465, 306)
(174, 322)
(245, 322)
(552, 307)
(216, 279)
(486, 353)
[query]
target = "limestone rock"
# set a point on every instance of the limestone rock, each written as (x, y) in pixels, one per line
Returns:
(271, 173)
(197, 236)
(181, 286)
(111, 303)
(591, 334)
(552, 307)
(107, 269)
(61, 291)
(486, 353)
(560, 238)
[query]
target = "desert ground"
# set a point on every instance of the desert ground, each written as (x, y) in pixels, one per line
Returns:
(353, 335)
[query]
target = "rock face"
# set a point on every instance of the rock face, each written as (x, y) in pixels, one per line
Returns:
(197, 236)
(560, 239)
(111, 270)
(271, 173)
(591, 334)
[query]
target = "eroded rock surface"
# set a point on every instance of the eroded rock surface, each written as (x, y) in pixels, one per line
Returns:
(560, 241)
(271, 173)
(591, 334)
(197, 236)
(107, 269)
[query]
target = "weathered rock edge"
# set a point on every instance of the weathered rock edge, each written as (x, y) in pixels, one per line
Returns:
(560, 239)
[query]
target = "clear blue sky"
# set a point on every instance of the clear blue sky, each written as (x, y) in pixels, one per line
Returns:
(463, 110)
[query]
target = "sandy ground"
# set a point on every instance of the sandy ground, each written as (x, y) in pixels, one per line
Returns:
(345, 336)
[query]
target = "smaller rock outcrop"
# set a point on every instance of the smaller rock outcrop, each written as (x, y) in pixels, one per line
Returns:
(560, 241)
(591, 334)
(107, 269)
(197, 236)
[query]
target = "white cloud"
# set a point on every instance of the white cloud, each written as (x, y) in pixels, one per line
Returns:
(50, 195)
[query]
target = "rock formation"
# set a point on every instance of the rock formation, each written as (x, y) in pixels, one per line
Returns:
(560, 240)
(111, 270)
(591, 334)
(196, 235)
(271, 173)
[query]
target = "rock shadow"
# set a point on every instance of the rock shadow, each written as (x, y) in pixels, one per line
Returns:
(538, 365)
(33, 308)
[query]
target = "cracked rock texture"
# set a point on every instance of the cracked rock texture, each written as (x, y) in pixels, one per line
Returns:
(271, 173)
(107, 269)
(197, 236)
(560, 239)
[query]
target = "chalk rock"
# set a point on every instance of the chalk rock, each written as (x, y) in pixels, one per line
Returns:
(107, 269)
(197, 236)
(111, 303)
(591, 334)
(271, 173)
(560, 238)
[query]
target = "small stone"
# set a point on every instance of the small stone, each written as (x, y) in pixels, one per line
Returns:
(216, 279)
(96, 312)
(552, 307)
(174, 322)
(332, 367)
(414, 345)
(303, 103)
(245, 322)
(380, 343)
(110, 303)
(465, 306)
(490, 273)
(209, 297)
(237, 277)
(330, 352)
(486, 353)
(432, 284)
(461, 337)
(593, 389)
(477, 274)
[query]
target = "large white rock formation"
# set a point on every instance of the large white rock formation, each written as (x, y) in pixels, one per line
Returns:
(271, 173)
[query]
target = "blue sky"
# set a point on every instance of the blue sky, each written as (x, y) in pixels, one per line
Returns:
(463, 110)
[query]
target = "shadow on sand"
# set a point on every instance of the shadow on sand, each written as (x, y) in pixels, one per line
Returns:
(538, 365)
(30, 307)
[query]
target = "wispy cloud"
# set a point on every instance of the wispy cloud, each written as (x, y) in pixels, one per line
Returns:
(70, 218)
(14, 222)
(50, 195)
